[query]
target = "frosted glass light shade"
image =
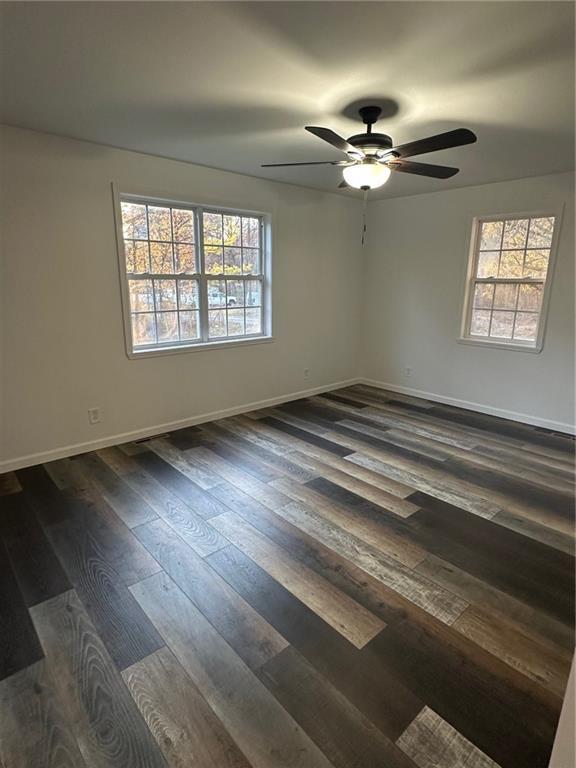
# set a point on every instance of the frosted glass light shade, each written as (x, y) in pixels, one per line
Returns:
(370, 175)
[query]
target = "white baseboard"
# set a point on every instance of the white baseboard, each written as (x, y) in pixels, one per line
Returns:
(524, 418)
(125, 437)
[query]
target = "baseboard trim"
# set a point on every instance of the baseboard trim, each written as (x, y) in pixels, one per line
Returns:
(524, 418)
(158, 429)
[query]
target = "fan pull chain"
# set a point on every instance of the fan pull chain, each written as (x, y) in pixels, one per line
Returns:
(364, 208)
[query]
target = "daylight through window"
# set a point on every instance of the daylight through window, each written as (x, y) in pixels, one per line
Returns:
(510, 266)
(193, 275)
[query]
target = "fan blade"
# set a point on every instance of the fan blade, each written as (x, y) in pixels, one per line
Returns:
(332, 138)
(318, 162)
(343, 184)
(423, 169)
(456, 138)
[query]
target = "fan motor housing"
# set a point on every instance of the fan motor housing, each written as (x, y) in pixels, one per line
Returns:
(371, 141)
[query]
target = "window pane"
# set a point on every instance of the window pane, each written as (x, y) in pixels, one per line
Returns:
(165, 294)
(136, 256)
(235, 293)
(141, 295)
(235, 322)
(143, 329)
(134, 221)
(159, 223)
(161, 258)
(167, 323)
(530, 297)
(491, 236)
(189, 325)
(188, 294)
(216, 323)
(510, 309)
(502, 325)
(251, 261)
(515, 233)
(526, 326)
(253, 320)
(488, 264)
(253, 293)
(129, 256)
(511, 264)
(185, 258)
(212, 228)
(233, 261)
(483, 296)
(213, 260)
(541, 231)
(183, 225)
(480, 322)
(232, 230)
(505, 296)
(216, 293)
(536, 263)
(250, 232)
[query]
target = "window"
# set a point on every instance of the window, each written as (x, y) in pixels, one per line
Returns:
(193, 275)
(508, 280)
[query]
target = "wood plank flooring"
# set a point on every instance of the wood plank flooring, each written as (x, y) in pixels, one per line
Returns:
(353, 580)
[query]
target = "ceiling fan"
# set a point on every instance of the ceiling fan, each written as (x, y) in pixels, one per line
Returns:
(371, 157)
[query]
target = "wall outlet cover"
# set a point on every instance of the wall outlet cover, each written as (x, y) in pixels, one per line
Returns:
(94, 415)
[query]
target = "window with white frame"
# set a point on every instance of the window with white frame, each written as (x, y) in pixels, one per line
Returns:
(193, 275)
(508, 278)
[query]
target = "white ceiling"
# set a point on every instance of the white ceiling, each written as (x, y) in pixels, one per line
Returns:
(231, 85)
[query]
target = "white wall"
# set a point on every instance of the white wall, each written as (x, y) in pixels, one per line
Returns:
(63, 342)
(415, 267)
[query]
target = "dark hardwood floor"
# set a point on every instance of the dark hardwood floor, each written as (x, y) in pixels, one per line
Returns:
(356, 580)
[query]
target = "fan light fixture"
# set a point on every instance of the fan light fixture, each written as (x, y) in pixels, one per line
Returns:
(367, 174)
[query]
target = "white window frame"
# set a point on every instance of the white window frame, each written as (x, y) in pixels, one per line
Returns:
(203, 343)
(471, 280)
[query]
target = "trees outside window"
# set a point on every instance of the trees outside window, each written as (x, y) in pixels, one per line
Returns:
(508, 278)
(193, 275)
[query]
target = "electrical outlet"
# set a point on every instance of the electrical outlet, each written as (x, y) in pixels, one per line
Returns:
(306, 373)
(94, 416)
(407, 372)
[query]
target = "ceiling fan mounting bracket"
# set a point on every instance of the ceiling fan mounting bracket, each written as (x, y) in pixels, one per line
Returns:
(370, 114)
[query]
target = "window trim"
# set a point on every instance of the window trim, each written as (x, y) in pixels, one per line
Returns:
(170, 348)
(473, 253)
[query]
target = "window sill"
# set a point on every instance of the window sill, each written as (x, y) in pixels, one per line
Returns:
(201, 347)
(500, 345)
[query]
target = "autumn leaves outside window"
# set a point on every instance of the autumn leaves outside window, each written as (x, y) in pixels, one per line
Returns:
(193, 275)
(510, 266)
